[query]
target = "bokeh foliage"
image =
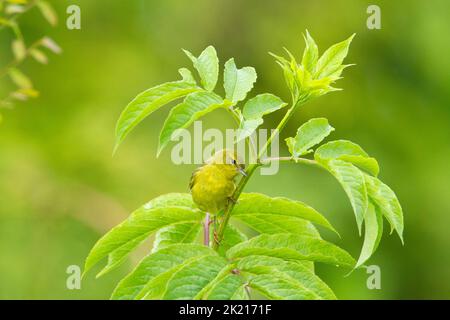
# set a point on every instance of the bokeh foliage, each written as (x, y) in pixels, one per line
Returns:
(22, 49)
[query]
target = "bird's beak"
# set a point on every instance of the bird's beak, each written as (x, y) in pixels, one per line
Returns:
(242, 171)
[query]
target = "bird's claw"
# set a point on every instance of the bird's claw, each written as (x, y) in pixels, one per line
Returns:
(216, 239)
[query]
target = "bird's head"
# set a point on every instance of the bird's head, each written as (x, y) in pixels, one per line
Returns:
(230, 160)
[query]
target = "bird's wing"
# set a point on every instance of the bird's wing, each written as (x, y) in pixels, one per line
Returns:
(192, 181)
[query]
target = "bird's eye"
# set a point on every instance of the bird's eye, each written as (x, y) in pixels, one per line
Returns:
(234, 162)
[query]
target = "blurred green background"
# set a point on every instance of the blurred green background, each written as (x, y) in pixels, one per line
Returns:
(60, 188)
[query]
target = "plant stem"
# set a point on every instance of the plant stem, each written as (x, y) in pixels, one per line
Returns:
(250, 142)
(277, 131)
(230, 205)
(293, 159)
(206, 229)
(250, 170)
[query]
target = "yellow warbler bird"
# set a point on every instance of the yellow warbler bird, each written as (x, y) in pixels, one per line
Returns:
(212, 184)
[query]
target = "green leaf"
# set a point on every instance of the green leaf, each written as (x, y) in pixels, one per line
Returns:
(20, 79)
(238, 82)
(302, 283)
(24, 93)
(224, 272)
(313, 78)
(338, 148)
(179, 233)
(373, 230)
(142, 222)
(261, 105)
(171, 199)
(332, 59)
(336, 75)
(15, 9)
(292, 247)
(39, 56)
(207, 65)
(352, 181)
(386, 201)
(349, 152)
(367, 164)
(189, 280)
(48, 12)
(149, 101)
(19, 49)
(240, 294)
(186, 75)
(231, 237)
(116, 257)
(289, 75)
(311, 53)
(279, 287)
(51, 45)
(275, 223)
(247, 127)
(156, 288)
(193, 107)
(261, 206)
(379, 215)
(165, 261)
(308, 135)
(229, 287)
